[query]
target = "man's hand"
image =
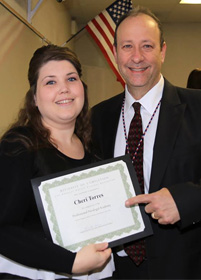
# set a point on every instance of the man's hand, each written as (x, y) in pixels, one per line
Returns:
(160, 205)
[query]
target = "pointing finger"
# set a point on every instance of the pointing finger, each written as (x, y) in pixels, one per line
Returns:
(142, 198)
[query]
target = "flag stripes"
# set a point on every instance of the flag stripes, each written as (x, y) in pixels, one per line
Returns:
(102, 29)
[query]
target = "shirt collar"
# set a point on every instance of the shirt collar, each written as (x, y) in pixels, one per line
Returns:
(150, 100)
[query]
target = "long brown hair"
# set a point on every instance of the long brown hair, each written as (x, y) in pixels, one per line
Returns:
(30, 117)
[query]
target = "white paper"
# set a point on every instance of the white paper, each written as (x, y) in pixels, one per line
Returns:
(89, 206)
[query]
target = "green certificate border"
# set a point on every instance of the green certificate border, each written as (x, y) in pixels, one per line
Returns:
(100, 169)
(48, 186)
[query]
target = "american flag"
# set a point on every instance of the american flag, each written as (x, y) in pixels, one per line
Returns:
(102, 29)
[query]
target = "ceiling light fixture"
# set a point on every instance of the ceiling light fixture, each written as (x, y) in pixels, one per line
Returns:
(190, 2)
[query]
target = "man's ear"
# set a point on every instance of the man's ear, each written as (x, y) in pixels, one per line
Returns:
(163, 52)
(115, 52)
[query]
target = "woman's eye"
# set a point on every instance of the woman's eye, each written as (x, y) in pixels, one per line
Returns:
(50, 83)
(71, 79)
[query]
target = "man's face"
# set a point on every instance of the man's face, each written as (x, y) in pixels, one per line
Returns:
(138, 53)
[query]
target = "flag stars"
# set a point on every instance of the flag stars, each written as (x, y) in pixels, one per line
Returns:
(120, 8)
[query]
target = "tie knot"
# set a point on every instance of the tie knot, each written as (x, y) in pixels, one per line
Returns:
(136, 106)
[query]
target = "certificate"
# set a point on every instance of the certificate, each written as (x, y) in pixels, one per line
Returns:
(87, 205)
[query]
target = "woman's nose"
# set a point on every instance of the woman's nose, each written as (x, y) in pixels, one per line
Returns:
(64, 88)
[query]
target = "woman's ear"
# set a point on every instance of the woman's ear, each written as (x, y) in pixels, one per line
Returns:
(35, 100)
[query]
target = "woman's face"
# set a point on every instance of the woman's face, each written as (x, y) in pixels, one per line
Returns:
(60, 93)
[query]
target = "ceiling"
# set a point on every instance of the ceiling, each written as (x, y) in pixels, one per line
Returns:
(167, 10)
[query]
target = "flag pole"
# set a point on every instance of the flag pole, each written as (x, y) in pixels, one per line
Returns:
(73, 36)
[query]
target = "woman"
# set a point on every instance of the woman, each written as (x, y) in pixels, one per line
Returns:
(52, 134)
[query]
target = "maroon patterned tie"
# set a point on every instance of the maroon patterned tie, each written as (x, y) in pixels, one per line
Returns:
(136, 249)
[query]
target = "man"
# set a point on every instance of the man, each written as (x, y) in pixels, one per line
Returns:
(171, 121)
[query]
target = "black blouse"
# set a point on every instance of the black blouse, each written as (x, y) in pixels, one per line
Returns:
(22, 238)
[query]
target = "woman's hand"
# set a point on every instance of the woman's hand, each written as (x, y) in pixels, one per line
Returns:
(91, 257)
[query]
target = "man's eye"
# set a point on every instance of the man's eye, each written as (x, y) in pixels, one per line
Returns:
(127, 46)
(148, 46)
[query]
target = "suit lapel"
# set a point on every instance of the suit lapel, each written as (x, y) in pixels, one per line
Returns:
(113, 115)
(170, 118)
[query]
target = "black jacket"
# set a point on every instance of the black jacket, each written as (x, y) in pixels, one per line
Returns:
(174, 251)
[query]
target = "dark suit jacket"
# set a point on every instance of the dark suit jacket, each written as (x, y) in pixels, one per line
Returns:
(174, 251)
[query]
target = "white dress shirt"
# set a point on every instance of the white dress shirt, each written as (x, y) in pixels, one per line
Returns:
(148, 105)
